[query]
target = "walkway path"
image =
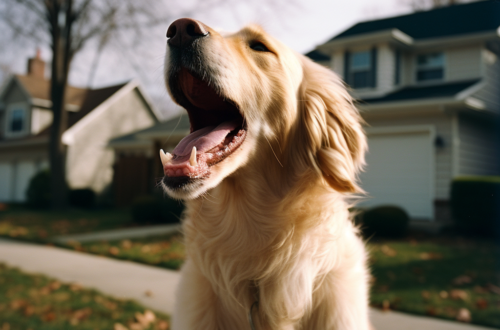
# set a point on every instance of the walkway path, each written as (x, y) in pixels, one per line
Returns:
(125, 279)
(117, 234)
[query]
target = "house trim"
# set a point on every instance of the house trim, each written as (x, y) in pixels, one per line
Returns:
(68, 136)
(25, 107)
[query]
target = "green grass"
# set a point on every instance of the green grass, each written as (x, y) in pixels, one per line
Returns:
(410, 276)
(36, 302)
(39, 225)
(165, 251)
(437, 278)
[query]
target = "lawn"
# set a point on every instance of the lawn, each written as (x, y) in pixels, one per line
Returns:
(447, 278)
(39, 225)
(36, 302)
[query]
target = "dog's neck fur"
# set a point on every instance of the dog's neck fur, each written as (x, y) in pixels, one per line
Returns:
(224, 222)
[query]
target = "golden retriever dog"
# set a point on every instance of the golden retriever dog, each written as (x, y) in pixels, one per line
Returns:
(267, 174)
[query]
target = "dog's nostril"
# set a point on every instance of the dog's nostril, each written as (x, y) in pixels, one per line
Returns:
(172, 30)
(195, 30)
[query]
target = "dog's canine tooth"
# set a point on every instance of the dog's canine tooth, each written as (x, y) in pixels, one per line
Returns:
(165, 158)
(192, 159)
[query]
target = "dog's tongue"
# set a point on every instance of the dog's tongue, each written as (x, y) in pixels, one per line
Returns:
(205, 139)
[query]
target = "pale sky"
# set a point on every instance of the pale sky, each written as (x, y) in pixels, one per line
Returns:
(302, 27)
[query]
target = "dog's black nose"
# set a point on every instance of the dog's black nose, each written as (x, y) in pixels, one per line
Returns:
(183, 31)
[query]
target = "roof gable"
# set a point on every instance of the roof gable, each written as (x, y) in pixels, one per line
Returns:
(40, 89)
(481, 16)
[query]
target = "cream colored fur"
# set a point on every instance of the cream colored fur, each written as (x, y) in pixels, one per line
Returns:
(276, 228)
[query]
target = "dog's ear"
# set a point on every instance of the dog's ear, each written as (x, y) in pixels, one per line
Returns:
(331, 126)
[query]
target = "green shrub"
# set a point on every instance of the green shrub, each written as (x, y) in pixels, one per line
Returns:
(475, 205)
(156, 209)
(38, 193)
(82, 198)
(384, 221)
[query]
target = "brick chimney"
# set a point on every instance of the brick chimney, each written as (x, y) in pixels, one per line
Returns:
(36, 66)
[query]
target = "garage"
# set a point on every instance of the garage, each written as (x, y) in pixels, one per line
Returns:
(14, 180)
(400, 169)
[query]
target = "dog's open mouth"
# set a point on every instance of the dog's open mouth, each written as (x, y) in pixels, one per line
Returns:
(217, 130)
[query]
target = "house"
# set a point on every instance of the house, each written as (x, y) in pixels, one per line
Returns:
(94, 117)
(428, 86)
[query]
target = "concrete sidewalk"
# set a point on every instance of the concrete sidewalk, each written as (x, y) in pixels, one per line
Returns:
(124, 279)
(111, 235)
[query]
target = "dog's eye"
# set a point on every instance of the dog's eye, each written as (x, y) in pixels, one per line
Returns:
(259, 46)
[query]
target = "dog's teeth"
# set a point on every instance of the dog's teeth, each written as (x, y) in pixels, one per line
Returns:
(165, 158)
(192, 159)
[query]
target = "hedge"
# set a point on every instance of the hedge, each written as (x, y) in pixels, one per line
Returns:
(475, 205)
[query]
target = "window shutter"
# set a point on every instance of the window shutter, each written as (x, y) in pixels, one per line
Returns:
(347, 57)
(373, 75)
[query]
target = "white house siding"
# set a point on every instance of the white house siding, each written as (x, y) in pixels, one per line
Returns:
(89, 162)
(443, 156)
(40, 119)
(490, 93)
(385, 68)
(478, 153)
(463, 63)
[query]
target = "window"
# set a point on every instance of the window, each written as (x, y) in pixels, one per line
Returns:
(17, 120)
(360, 68)
(430, 67)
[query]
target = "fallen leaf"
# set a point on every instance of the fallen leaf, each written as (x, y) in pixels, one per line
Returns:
(426, 294)
(462, 279)
(386, 305)
(148, 293)
(50, 316)
(29, 310)
(481, 303)
(119, 326)
(126, 244)
(430, 256)
(18, 303)
(463, 315)
(443, 294)
(431, 311)
(388, 251)
(162, 325)
(54, 285)
(114, 250)
(145, 249)
(5, 326)
(82, 314)
(457, 294)
(149, 316)
(45, 290)
(75, 287)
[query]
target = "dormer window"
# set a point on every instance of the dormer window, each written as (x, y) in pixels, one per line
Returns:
(430, 66)
(360, 71)
(16, 123)
(17, 120)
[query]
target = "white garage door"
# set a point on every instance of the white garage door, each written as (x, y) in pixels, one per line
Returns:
(25, 170)
(6, 181)
(400, 172)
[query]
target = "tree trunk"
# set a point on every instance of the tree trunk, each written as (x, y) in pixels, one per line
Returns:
(61, 59)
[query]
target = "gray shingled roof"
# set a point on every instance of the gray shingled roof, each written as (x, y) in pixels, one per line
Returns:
(421, 92)
(480, 16)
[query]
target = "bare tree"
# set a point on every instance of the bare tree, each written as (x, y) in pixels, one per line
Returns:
(67, 26)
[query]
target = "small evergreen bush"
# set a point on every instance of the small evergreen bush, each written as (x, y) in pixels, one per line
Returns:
(384, 221)
(475, 205)
(82, 198)
(38, 193)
